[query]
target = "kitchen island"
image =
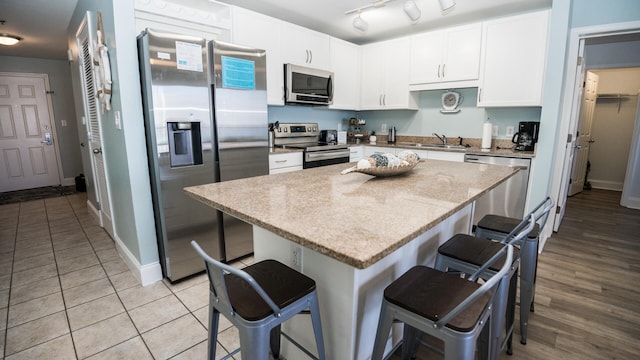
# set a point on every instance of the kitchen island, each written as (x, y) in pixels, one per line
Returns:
(354, 234)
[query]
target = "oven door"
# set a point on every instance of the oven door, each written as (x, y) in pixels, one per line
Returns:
(326, 157)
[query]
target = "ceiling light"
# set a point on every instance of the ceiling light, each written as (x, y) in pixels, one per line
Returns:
(412, 10)
(8, 39)
(360, 24)
(447, 6)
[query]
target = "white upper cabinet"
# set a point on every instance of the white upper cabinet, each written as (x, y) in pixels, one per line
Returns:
(514, 52)
(385, 76)
(305, 47)
(345, 65)
(450, 56)
(262, 32)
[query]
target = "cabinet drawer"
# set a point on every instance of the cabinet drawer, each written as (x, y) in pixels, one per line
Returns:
(279, 161)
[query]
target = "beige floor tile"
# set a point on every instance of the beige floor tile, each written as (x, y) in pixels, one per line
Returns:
(36, 332)
(175, 337)
(25, 245)
(87, 292)
(68, 244)
(140, 295)
(82, 276)
(32, 275)
(32, 232)
(60, 348)
(34, 309)
(115, 267)
(3, 318)
(229, 339)
(94, 311)
(108, 255)
(2, 340)
(200, 352)
(74, 252)
(131, 349)
(20, 294)
(157, 312)
(202, 315)
(4, 298)
(6, 267)
(195, 297)
(102, 244)
(124, 280)
(103, 335)
(187, 283)
(33, 262)
(5, 282)
(77, 263)
(44, 248)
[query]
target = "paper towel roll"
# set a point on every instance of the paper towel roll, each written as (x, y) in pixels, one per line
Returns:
(487, 130)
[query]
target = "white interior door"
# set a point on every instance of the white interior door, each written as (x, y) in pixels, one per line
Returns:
(631, 189)
(576, 103)
(583, 135)
(92, 115)
(27, 148)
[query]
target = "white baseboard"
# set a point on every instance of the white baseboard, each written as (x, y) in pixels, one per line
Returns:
(606, 185)
(146, 274)
(68, 181)
(94, 212)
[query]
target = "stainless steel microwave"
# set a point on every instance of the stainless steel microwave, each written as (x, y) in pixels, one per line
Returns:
(303, 85)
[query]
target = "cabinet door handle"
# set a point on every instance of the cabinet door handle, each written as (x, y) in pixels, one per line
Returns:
(281, 161)
(479, 94)
(443, 66)
(439, 70)
(310, 56)
(380, 100)
(384, 99)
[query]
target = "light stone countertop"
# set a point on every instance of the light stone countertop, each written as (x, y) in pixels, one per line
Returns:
(354, 218)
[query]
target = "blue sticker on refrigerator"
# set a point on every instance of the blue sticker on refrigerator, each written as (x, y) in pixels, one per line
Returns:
(238, 73)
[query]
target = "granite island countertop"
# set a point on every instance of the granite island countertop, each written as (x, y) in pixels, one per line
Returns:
(354, 218)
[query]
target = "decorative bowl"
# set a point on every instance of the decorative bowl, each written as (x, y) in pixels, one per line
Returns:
(382, 171)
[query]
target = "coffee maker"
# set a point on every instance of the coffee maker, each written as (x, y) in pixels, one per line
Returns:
(527, 136)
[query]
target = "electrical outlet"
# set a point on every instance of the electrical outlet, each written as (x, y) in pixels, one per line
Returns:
(383, 128)
(295, 253)
(495, 131)
(510, 131)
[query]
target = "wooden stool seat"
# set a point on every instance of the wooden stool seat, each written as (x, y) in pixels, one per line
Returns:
(472, 250)
(504, 225)
(283, 285)
(431, 293)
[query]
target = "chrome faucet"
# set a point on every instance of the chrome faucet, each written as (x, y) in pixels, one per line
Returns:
(442, 138)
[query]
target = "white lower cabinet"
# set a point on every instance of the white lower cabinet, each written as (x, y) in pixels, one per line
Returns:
(356, 153)
(285, 162)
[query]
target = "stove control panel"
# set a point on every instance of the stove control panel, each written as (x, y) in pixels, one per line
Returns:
(296, 130)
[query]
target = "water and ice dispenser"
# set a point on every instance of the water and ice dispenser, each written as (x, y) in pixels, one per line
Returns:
(185, 143)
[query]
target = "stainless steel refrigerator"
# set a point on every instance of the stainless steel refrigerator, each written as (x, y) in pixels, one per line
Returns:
(205, 115)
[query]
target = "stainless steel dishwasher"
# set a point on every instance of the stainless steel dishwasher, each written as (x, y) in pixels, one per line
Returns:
(508, 198)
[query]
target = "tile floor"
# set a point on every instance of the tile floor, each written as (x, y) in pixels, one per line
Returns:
(65, 293)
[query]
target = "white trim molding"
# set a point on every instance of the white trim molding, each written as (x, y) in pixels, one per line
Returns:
(146, 274)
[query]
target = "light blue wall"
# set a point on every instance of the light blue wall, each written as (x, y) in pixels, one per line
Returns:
(423, 122)
(62, 101)
(597, 12)
(124, 150)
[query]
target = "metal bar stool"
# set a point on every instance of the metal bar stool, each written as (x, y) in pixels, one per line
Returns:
(443, 305)
(257, 300)
(497, 228)
(466, 253)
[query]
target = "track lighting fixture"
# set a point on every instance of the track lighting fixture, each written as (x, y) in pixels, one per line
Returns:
(412, 10)
(360, 24)
(447, 6)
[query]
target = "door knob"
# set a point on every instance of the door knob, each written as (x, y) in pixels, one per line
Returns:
(47, 139)
(97, 151)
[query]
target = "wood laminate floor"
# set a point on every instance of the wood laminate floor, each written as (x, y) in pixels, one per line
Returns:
(587, 303)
